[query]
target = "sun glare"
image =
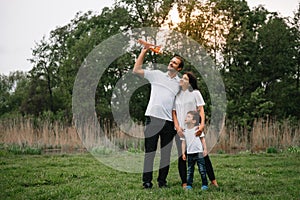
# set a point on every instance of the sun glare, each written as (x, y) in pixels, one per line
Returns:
(174, 16)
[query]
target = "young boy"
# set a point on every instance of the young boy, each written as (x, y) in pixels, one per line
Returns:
(196, 149)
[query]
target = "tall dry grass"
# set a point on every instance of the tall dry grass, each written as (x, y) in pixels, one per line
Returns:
(41, 134)
(48, 135)
(264, 134)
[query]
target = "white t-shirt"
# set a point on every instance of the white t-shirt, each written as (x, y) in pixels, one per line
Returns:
(187, 101)
(193, 143)
(163, 92)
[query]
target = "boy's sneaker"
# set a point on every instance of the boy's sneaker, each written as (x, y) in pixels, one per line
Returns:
(147, 185)
(204, 187)
(188, 187)
(184, 185)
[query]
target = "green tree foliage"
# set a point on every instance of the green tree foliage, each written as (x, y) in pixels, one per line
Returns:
(257, 53)
(240, 63)
(276, 67)
(295, 24)
(205, 23)
(56, 60)
(5, 87)
(147, 13)
(258, 60)
(13, 90)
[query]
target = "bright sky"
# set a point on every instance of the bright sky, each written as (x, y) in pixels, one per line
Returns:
(24, 22)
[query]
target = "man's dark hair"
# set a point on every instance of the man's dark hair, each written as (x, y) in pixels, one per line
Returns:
(181, 64)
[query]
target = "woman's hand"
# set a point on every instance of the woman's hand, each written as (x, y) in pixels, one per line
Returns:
(204, 152)
(183, 156)
(179, 131)
(199, 130)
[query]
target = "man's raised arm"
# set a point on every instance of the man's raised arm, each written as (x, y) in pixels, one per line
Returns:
(137, 69)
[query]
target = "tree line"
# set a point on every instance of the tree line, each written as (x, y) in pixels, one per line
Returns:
(257, 53)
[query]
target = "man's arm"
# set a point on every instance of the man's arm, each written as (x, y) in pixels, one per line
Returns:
(176, 124)
(137, 69)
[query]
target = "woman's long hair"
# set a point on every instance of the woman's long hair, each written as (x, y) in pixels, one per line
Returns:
(192, 80)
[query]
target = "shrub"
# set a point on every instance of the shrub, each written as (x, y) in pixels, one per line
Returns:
(272, 150)
(26, 150)
(293, 149)
(220, 151)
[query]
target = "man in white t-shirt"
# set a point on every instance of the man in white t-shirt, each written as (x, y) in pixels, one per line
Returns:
(159, 122)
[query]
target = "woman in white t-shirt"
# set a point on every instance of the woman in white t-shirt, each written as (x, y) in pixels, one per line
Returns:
(189, 98)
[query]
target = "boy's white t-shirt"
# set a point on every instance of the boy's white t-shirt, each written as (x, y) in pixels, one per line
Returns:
(163, 92)
(193, 143)
(187, 101)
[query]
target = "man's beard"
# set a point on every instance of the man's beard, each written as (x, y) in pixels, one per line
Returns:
(171, 69)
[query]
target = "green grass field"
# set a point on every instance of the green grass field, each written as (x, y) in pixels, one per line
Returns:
(81, 176)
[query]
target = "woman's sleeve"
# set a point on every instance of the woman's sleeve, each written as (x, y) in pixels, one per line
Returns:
(199, 98)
